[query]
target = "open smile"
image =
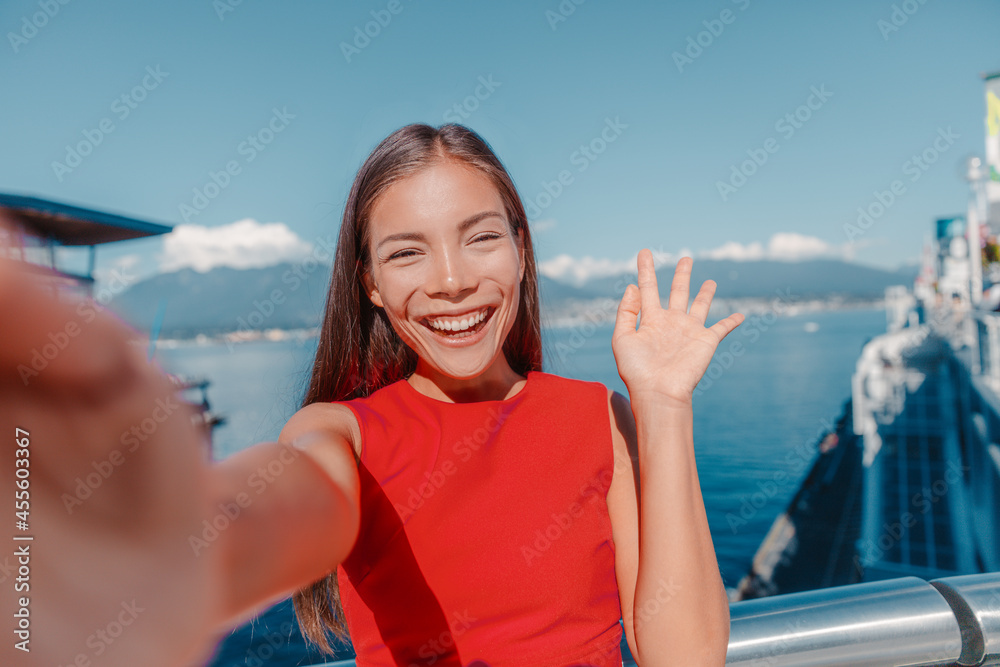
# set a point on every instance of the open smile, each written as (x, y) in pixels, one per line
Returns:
(463, 326)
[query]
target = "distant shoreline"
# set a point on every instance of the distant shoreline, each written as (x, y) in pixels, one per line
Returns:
(594, 312)
(603, 311)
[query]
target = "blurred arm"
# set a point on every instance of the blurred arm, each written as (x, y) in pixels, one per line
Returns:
(131, 530)
(286, 513)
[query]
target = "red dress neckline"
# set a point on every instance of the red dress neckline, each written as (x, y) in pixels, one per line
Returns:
(527, 383)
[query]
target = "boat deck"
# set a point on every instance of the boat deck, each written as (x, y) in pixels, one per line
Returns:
(886, 496)
(917, 514)
(920, 518)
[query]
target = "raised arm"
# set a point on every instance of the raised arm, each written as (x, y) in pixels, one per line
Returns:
(668, 574)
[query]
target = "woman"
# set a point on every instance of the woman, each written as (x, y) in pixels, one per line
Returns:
(431, 325)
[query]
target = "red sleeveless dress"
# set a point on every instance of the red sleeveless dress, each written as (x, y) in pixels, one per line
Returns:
(485, 537)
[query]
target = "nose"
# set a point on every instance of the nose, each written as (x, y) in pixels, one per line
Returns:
(450, 276)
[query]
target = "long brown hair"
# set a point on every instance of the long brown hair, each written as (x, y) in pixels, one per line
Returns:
(358, 351)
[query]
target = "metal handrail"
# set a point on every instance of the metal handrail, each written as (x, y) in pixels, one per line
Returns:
(904, 621)
(889, 623)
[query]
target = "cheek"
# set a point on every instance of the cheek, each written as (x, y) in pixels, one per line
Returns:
(502, 267)
(396, 288)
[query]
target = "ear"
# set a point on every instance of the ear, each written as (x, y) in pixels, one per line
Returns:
(371, 290)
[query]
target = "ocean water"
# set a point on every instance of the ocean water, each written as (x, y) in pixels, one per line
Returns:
(776, 384)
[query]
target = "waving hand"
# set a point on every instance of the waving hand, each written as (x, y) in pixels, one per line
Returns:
(669, 352)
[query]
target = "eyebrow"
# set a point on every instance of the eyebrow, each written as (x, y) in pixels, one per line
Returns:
(417, 236)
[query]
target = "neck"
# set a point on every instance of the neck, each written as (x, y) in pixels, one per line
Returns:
(497, 383)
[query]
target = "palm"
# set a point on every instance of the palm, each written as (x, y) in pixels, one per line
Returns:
(111, 539)
(671, 349)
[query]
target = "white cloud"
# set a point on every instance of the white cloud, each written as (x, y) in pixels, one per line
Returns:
(577, 271)
(792, 246)
(572, 270)
(244, 244)
(737, 251)
(784, 246)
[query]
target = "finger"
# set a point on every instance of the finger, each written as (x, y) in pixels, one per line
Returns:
(679, 287)
(649, 292)
(628, 312)
(703, 301)
(725, 326)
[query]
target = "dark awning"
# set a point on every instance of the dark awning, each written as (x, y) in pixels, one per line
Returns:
(73, 225)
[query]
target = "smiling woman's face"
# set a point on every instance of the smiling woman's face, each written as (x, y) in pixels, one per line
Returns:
(446, 268)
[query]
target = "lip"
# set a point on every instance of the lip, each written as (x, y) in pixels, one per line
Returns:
(464, 341)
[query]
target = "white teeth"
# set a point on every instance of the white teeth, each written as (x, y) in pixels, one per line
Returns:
(459, 325)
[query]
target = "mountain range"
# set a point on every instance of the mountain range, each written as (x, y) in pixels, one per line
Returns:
(287, 296)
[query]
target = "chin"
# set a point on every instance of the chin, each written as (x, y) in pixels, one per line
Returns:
(459, 369)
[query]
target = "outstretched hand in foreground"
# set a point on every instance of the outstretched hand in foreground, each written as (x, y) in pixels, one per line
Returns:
(112, 486)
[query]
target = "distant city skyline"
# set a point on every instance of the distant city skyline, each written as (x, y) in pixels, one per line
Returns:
(738, 129)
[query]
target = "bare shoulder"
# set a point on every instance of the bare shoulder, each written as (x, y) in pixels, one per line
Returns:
(331, 418)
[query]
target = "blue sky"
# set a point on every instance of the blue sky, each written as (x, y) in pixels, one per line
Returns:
(550, 77)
